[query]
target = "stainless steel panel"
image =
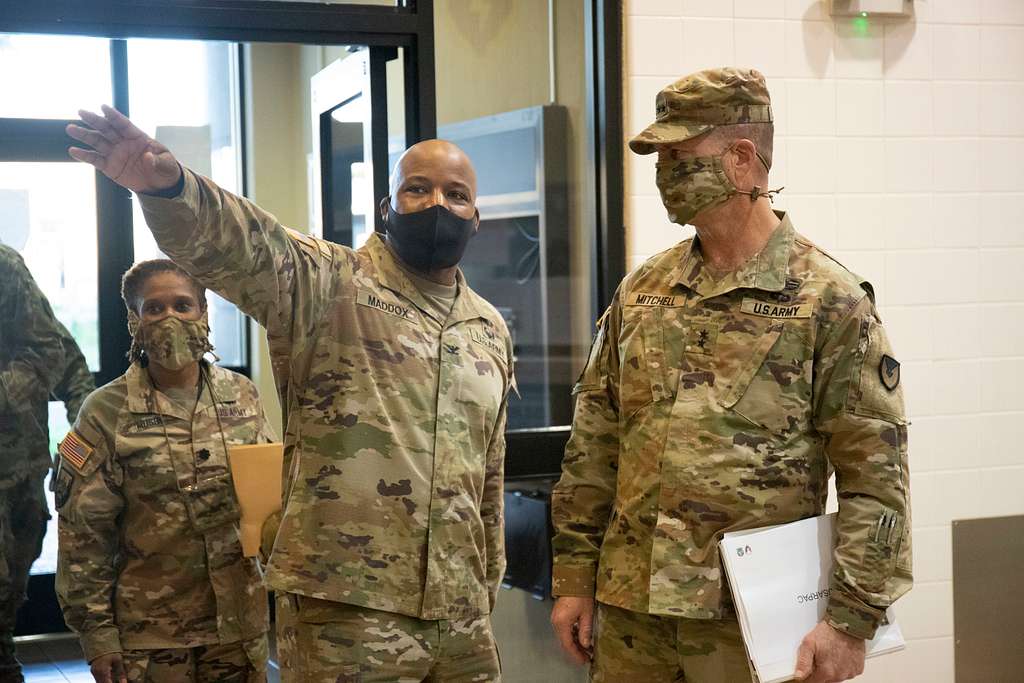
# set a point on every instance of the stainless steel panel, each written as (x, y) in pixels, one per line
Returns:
(988, 599)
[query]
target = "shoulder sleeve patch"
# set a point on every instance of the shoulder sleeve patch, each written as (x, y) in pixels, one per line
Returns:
(592, 377)
(889, 372)
(61, 486)
(878, 391)
(76, 451)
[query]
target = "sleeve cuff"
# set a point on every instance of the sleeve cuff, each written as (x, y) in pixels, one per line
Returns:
(171, 192)
(577, 582)
(851, 616)
(100, 642)
(167, 212)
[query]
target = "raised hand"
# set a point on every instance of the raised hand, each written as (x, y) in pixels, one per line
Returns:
(123, 153)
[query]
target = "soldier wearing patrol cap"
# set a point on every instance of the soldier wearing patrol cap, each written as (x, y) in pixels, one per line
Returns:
(730, 377)
(394, 376)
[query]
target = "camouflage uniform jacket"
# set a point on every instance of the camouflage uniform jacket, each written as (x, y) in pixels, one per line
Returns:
(149, 555)
(711, 406)
(76, 383)
(395, 419)
(31, 364)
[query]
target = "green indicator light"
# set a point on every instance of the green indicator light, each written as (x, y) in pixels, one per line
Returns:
(863, 14)
(860, 25)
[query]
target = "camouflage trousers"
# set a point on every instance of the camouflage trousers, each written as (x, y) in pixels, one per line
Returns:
(240, 662)
(320, 641)
(23, 517)
(632, 646)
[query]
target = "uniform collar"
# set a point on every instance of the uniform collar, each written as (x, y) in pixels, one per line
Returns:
(391, 275)
(767, 270)
(143, 397)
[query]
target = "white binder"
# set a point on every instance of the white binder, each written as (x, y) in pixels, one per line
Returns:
(779, 578)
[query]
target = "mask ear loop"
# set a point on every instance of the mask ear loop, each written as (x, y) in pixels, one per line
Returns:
(135, 351)
(209, 345)
(756, 192)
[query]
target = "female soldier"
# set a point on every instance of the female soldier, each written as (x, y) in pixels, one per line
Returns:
(150, 570)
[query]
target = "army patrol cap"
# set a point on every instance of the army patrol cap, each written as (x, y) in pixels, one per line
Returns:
(703, 101)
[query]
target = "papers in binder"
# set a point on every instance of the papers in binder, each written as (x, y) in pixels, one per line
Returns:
(256, 471)
(779, 578)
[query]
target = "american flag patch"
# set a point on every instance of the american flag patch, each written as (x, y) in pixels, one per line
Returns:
(74, 450)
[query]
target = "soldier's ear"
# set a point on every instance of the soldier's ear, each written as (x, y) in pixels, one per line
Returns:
(746, 157)
(383, 208)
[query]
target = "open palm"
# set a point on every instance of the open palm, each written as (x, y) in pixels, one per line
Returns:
(124, 153)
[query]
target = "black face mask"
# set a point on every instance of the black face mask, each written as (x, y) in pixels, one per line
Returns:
(430, 239)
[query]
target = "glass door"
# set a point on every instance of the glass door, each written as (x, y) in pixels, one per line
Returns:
(354, 131)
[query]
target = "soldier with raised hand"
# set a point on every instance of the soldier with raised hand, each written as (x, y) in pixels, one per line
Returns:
(394, 377)
(731, 375)
(38, 357)
(150, 572)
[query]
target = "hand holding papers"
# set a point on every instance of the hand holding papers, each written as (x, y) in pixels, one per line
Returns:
(256, 470)
(779, 578)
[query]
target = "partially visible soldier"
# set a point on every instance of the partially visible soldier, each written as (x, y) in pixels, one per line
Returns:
(150, 569)
(730, 376)
(394, 376)
(76, 383)
(38, 357)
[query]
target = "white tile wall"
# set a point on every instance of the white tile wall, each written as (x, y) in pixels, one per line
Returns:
(900, 144)
(1001, 11)
(950, 213)
(908, 108)
(860, 107)
(762, 43)
(816, 110)
(955, 12)
(859, 165)
(1002, 218)
(999, 107)
(707, 8)
(667, 32)
(812, 165)
(908, 221)
(859, 50)
(908, 50)
(707, 43)
(765, 9)
(809, 49)
(957, 51)
(908, 165)
(1002, 48)
(956, 107)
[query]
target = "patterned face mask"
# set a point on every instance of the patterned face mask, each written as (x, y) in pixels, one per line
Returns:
(693, 184)
(171, 343)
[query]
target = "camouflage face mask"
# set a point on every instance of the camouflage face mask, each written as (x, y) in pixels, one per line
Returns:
(691, 185)
(171, 343)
